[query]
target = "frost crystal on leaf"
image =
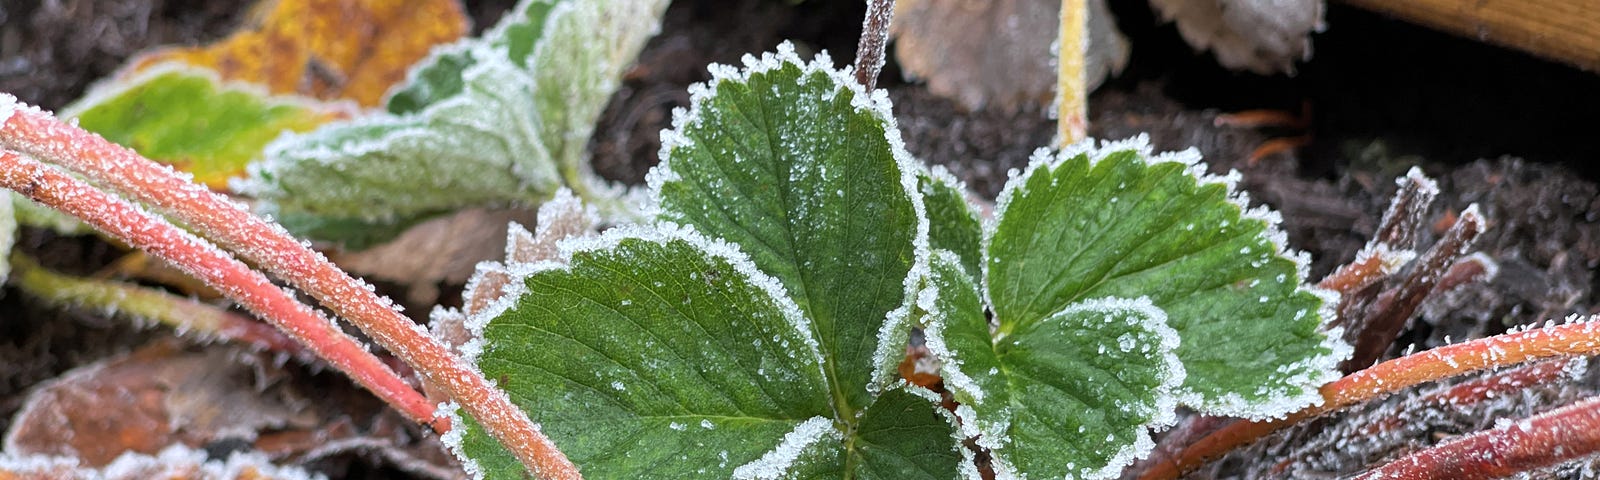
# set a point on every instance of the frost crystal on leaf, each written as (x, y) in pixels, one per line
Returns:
(1118, 221)
(519, 102)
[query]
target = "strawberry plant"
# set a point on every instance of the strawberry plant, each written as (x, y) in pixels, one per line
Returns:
(751, 329)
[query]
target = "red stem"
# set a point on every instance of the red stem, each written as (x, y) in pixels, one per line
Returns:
(1573, 339)
(1542, 440)
(266, 244)
(120, 219)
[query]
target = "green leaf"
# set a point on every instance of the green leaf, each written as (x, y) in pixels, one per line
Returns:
(905, 434)
(1072, 395)
(952, 223)
(804, 171)
(186, 117)
(658, 354)
(8, 234)
(1119, 223)
(502, 119)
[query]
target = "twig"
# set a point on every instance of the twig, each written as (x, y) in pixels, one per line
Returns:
(874, 39)
(1542, 440)
(120, 219)
(229, 224)
(1387, 317)
(1572, 339)
(182, 314)
(1072, 85)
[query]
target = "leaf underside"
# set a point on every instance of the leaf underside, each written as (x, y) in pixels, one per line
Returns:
(1120, 226)
(1072, 394)
(785, 166)
(502, 119)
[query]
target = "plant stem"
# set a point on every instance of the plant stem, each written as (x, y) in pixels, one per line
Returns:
(121, 219)
(268, 245)
(874, 39)
(1072, 107)
(1542, 440)
(182, 314)
(1572, 339)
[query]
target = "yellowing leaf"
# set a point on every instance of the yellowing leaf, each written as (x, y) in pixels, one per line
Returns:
(186, 117)
(327, 49)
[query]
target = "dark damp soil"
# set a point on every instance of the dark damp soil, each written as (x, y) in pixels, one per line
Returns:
(1506, 130)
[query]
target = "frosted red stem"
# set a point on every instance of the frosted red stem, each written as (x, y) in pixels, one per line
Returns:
(266, 244)
(1542, 440)
(120, 219)
(1582, 338)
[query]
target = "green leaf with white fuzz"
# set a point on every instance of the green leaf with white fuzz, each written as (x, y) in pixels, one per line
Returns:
(1072, 395)
(1118, 222)
(952, 222)
(653, 353)
(501, 119)
(799, 167)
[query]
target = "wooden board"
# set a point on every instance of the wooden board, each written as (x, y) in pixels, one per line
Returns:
(1563, 30)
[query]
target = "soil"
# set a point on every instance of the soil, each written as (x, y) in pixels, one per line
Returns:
(1497, 127)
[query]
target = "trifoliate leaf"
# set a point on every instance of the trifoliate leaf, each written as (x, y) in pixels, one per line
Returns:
(497, 120)
(327, 49)
(952, 223)
(656, 353)
(799, 167)
(1119, 223)
(1073, 394)
(188, 118)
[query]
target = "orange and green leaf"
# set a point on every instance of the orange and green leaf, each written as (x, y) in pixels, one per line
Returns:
(326, 49)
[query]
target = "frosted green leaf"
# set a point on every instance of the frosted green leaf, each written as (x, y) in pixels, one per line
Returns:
(802, 169)
(952, 223)
(188, 118)
(905, 434)
(1117, 222)
(501, 119)
(655, 354)
(1073, 394)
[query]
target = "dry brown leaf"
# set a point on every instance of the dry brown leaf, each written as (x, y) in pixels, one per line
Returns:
(154, 397)
(1262, 36)
(327, 49)
(997, 52)
(443, 249)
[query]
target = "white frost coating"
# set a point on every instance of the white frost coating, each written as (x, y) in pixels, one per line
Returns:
(1491, 268)
(776, 462)
(968, 466)
(1316, 371)
(8, 106)
(933, 333)
(876, 104)
(453, 439)
(1154, 320)
(112, 86)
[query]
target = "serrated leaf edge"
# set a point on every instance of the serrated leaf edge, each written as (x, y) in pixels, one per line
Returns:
(875, 103)
(1322, 369)
(776, 462)
(991, 433)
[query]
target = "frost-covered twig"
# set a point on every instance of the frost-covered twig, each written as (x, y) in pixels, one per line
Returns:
(229, 224)
(1377, 330)
(874, 39)
(118, 218)
(1072, 86)
(187, 316)
(1539, 441)
(1571, 339)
